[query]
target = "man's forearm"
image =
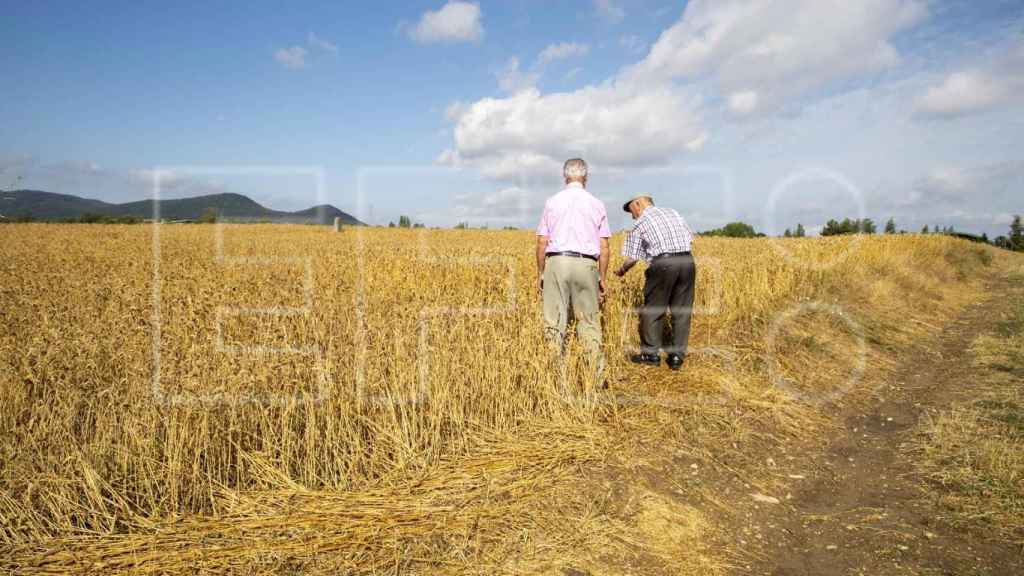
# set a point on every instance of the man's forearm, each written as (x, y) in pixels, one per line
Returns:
(629, 263)
(603, 258)
(542, 248)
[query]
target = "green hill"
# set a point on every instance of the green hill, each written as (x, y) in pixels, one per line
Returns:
(49, 206)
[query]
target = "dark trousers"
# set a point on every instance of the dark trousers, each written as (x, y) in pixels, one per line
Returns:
(669, 286)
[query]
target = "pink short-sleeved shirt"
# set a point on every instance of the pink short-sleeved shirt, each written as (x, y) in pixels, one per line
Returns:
(574, 221)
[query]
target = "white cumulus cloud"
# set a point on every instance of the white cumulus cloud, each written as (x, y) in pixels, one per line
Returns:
(454, 22)
(781, 49)
(529, 134)
(293, 57)
(977, 89)
(962, 92)
(743, 103)
(561, 51)
(754, 57)
(511, 79)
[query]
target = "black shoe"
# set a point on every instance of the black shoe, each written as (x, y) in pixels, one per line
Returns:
(646, 359)
(674, 361)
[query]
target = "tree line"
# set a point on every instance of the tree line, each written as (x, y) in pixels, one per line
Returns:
(87, 218)
(405, 222)
(1013, 240)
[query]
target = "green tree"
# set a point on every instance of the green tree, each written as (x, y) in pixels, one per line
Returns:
(787, 234)
(404, 222)
(391, 224)
(733, 230)
(1016, 234)
(462, 226)
(209, 215)
(925, 229)
(800, 232)
(847, 226)
(738, 230)
(890, 226)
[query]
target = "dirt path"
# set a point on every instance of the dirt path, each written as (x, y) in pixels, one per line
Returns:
(858, 509)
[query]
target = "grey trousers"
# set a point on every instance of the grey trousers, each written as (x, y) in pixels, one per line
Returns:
(669, 286)
(571, 282)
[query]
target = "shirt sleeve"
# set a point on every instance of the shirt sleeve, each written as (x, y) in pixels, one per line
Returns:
(686, 225)
(544, 228)
(602, 227)
(688, 234)
(632, 247)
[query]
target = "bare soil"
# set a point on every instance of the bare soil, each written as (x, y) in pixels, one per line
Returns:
(859, 507)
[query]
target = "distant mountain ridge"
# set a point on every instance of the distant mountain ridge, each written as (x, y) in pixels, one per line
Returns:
(229, 206)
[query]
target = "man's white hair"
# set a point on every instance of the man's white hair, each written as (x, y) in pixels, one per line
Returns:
(575, 169)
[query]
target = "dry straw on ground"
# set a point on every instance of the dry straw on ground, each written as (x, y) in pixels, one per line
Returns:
(403, 413)
(972, 454)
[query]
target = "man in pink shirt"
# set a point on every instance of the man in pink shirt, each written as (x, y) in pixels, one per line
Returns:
(572, 262)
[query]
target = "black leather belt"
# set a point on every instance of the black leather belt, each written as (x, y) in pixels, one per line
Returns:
(573, 254)
(666, 254)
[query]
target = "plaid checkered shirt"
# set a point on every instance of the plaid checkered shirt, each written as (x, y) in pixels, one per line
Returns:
(657, 231)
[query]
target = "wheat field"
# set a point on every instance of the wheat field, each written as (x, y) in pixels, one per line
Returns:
(287, 399)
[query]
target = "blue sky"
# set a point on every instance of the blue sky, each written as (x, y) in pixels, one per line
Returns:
(770, 111)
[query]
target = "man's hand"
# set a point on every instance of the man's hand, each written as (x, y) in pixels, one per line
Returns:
(626, 266)
(541, 252)
(602, 289)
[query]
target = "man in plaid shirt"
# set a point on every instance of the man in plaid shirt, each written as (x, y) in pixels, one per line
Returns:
(662, 238)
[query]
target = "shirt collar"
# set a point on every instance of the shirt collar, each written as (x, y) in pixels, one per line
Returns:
(641, 216)
(574, 184)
